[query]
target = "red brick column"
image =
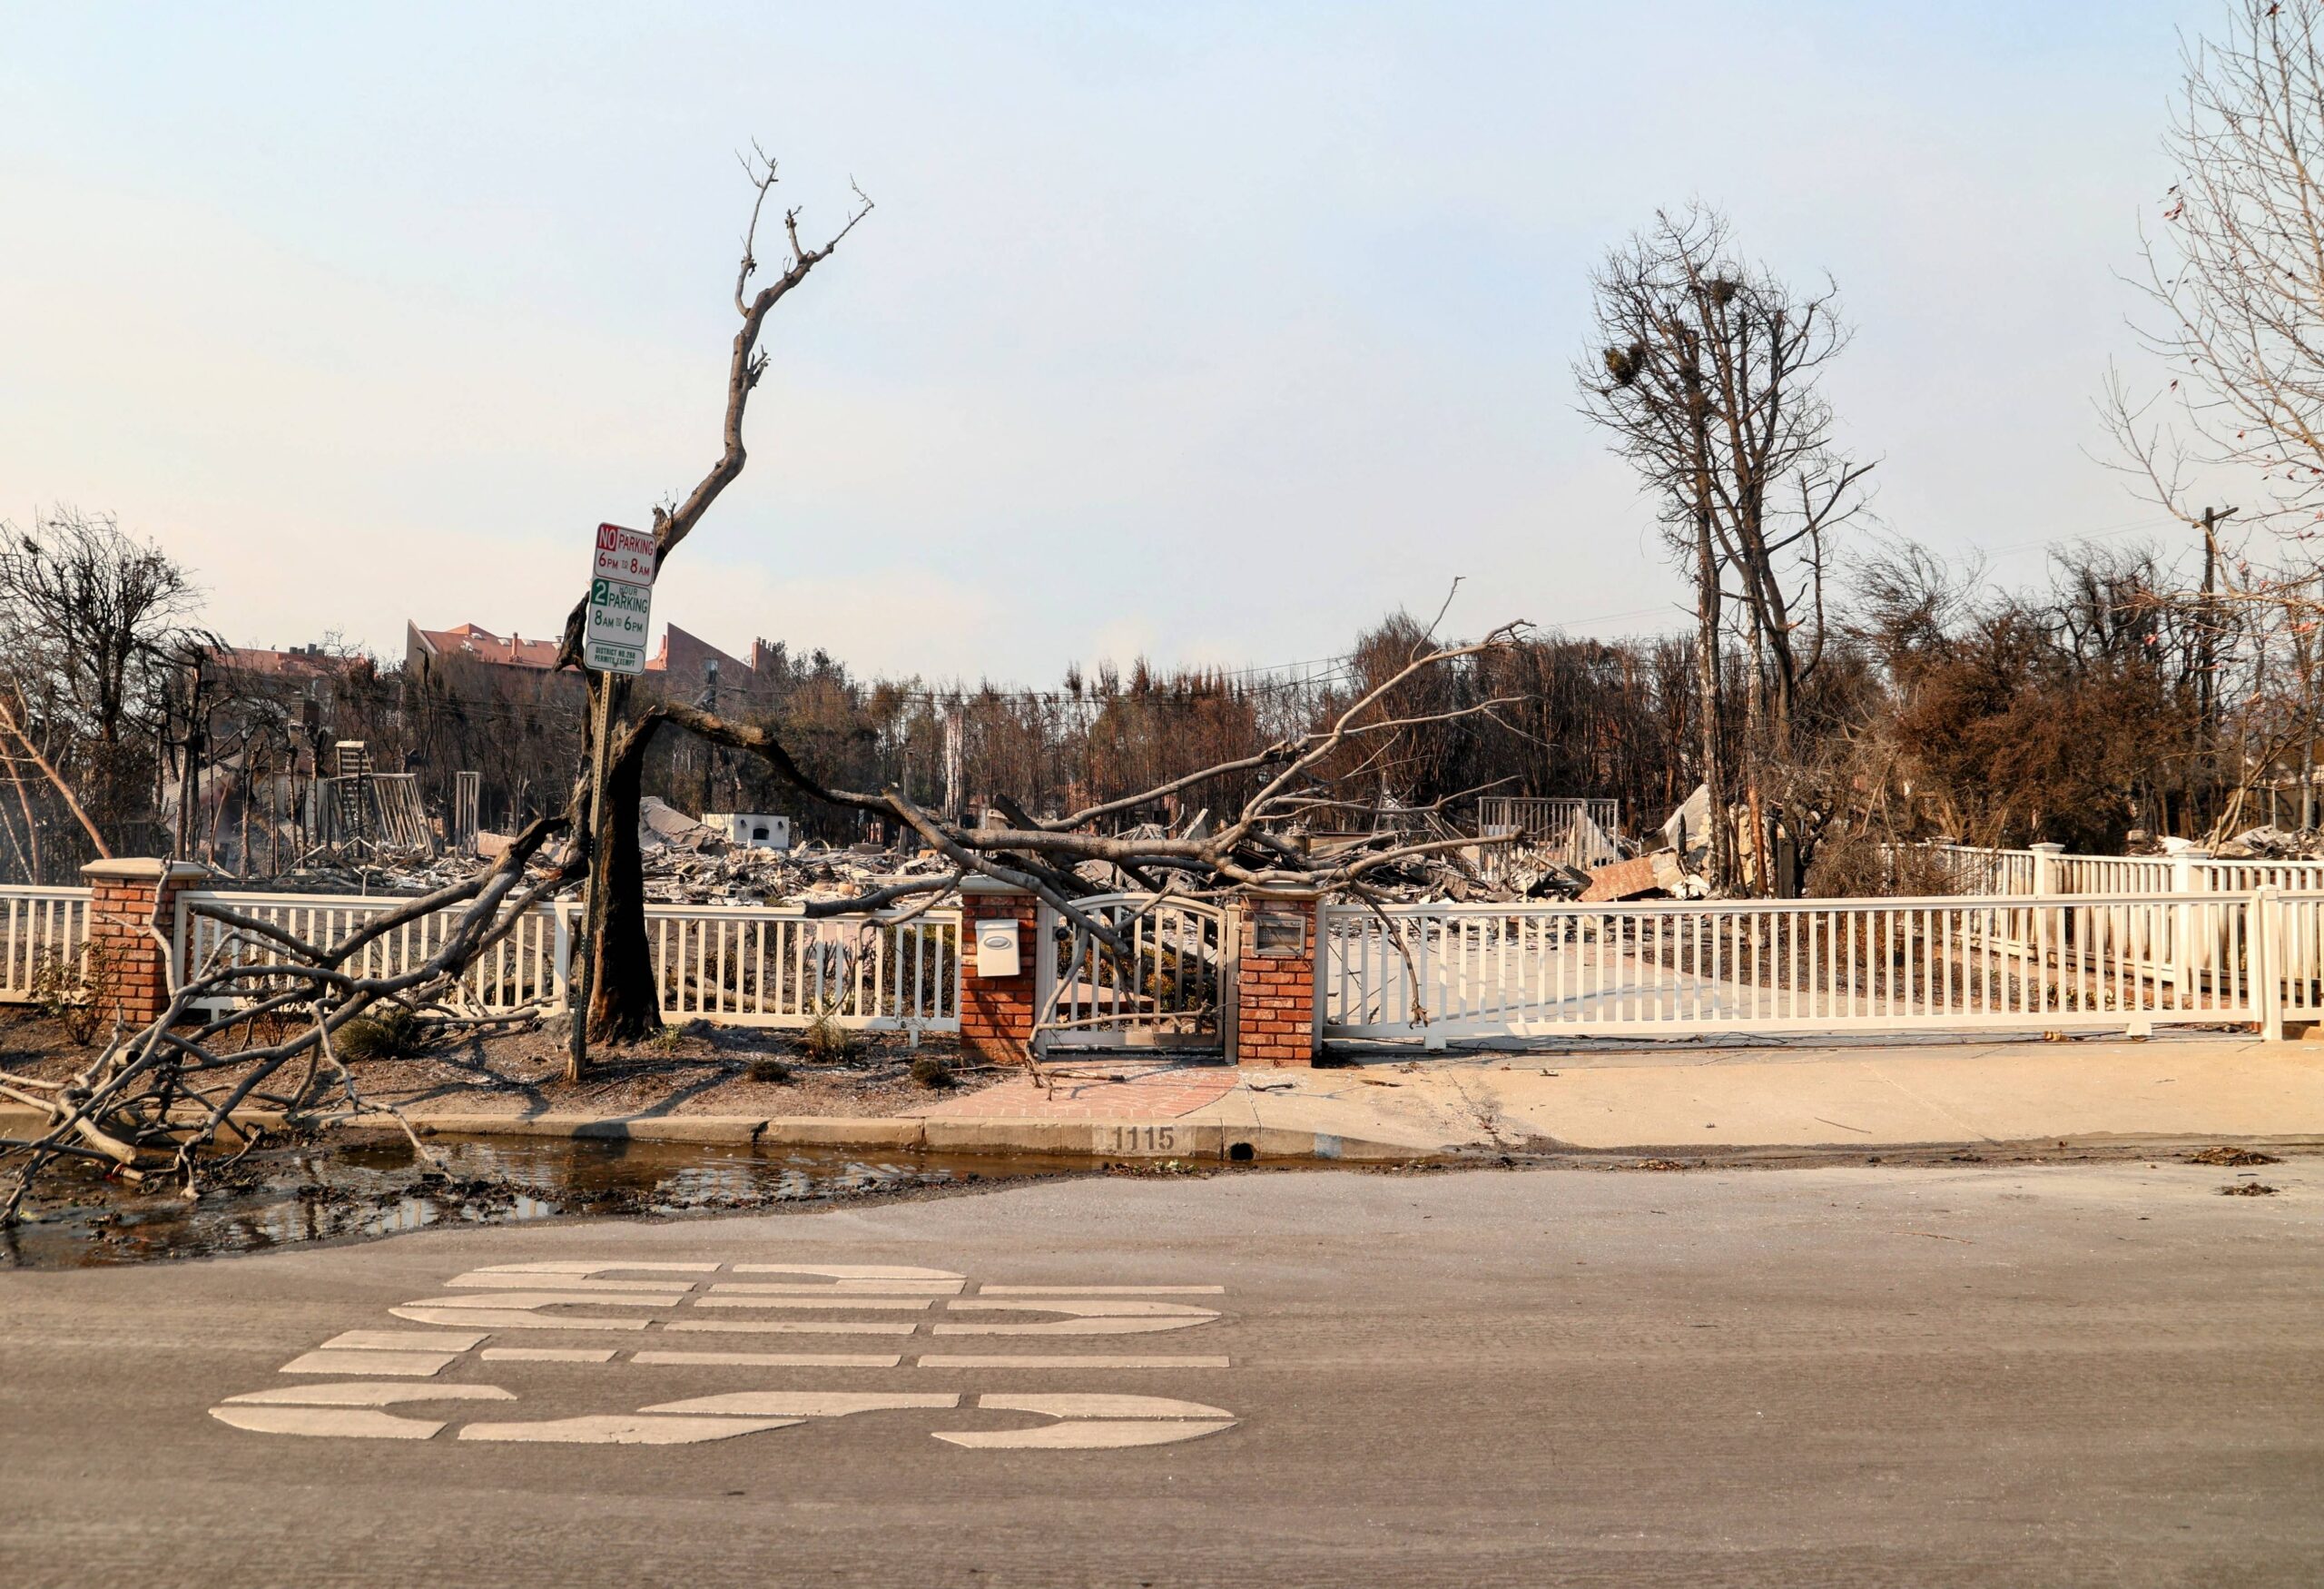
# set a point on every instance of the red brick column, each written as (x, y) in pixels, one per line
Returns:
(1274, 982)
(126, 899)
(996, 1012)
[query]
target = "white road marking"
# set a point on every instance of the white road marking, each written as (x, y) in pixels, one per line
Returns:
(533, 1297)
(807, 1404)
(1079, 1405)
(550, 1299)
(589, 1265)
(764, 1359)
(412, 1364)
(1090, 1436)
(487, 1279)
(868, 1303)
(1090, 1315)
(1055, 1360)
(507, 1320)
(849, 1272)
(347, 1423)
(1076, 1327)
(624, 1429)
(520, 1309)
(403, 1340)
(358, 1393)
(345, 1410)
(843, 1289)
(1099, 1291)
(789, 1326)
(1084, 1307)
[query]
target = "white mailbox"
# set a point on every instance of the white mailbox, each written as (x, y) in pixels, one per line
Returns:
(997, 948)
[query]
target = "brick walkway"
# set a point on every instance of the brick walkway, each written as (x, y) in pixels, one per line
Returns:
(1098, 1089)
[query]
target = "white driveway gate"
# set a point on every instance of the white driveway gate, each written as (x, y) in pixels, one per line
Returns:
(1433, 973)
(1168, 992)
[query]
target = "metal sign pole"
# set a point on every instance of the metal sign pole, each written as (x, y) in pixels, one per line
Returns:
(577, 980)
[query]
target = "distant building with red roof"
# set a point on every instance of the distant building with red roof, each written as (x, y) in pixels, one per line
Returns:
(685, 662)
(422, 647)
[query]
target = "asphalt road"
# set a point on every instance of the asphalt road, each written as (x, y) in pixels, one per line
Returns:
(1982, 1375)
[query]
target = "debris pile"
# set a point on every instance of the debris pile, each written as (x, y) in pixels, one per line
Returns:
(2273, 843)
(1661, 874)
(2264, 842)
(690, 862)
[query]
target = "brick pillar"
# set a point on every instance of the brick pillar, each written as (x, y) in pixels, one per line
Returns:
(1275, 981)
(997, 1012)
(127, 898)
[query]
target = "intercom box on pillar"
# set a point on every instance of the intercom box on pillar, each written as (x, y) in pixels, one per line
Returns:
(997, 948)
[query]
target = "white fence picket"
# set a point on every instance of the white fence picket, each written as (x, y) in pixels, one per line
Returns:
(39, 924)
(735, 966)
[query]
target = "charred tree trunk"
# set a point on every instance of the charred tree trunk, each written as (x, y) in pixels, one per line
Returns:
(624, 1001)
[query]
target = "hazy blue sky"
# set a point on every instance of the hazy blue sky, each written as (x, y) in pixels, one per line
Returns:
(1208, 332)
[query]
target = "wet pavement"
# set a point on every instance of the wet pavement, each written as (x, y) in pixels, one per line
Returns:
(355, 1191)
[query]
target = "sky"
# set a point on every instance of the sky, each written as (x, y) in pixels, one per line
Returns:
(1209, 333)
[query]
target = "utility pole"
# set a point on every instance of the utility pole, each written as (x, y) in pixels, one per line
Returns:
(2206, 654)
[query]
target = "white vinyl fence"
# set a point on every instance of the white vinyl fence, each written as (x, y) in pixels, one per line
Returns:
(2011, 959)
(526, 968)
(1677, 968)
(742, 965)
(39, 926)
(735, 965)
(2046, 870)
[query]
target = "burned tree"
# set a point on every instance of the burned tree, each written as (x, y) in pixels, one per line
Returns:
(107, 620)
(623, 1004)
(1706, 371)
(2234, 281)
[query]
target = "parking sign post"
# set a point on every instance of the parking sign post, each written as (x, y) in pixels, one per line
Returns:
(613, 641)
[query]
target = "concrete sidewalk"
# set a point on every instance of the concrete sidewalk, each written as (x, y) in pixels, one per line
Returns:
(1866, 1096)
(1660, 1100)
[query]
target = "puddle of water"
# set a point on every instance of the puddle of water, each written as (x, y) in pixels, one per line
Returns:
(354, 1191)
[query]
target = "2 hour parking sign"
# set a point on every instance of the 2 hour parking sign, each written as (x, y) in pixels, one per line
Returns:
(621, 601)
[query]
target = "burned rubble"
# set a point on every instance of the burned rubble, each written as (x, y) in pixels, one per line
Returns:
(689, 861)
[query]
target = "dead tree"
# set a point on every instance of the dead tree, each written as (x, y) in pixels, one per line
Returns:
(2234, 280)
(1706, 373)
(106, 615)
(2235, 277)
(622, 1003)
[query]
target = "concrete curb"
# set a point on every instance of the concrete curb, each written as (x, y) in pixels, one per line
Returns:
(1105, 1138)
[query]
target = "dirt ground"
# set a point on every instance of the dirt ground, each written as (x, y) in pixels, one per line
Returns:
(695, 1069)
